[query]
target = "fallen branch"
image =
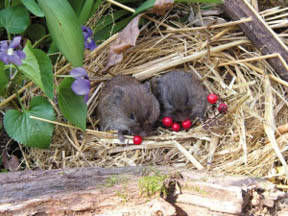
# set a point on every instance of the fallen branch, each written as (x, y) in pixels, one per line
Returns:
(261, 35)
(117, 191)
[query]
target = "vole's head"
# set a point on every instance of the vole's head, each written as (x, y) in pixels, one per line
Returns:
(138, 108)
(181, 96)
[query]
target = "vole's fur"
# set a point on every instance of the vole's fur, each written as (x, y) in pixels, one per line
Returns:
(128, 106)
(180, 94)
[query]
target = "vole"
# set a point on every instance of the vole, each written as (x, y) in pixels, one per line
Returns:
(128, 106)
(180, 94)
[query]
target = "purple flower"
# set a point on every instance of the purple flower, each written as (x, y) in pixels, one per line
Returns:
(8, 54)
(81, 85)
(88, 41)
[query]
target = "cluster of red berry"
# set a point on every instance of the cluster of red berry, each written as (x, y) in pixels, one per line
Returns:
(168, 121)
(213, 98)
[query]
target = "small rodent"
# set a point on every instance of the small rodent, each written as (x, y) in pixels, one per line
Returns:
(180, 94)
(128, 106)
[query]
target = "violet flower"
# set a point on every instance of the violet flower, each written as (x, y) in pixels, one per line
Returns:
(88, 40)
(8, 54)
(81, 85)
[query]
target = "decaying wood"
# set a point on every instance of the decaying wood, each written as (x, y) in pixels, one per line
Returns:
(261, 35)
(115, 191)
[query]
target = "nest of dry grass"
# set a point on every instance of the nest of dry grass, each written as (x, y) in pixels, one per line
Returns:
(242, 142)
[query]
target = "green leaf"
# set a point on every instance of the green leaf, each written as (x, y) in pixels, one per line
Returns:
(145, 6)
(85, 12)
(14, 19)
(112, 29)
(3, 79)
(31, 132)
(109, 19)
(33, 7)
(38, 67)
(71, 105)
(65, 29)
(95, 7)
(46, 71)
(16, 3)
(76, 5)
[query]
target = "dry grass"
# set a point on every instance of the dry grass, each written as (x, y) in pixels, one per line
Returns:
(244, 141)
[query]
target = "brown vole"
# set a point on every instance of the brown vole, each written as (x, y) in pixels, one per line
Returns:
(180, 94)
(127, 106)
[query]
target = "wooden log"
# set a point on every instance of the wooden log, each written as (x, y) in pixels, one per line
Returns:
(116, 191)
(260, 34)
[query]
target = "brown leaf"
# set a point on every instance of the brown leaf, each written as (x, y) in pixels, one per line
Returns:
(161, 6)
(126, 39)
(11, 164)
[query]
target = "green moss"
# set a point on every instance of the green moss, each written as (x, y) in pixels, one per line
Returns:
(123, 196)
(150, 185)
(197, 189)
(113, 180)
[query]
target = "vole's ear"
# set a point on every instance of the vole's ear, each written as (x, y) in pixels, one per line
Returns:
(118, 94)
(155, 86)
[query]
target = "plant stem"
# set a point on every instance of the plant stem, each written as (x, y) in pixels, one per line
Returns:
(40, 40)
(19, 100)
(9, 36)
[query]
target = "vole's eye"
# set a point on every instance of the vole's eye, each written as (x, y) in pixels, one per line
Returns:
(132, 116)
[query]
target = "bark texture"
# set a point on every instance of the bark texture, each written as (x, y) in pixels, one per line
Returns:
(116, 191)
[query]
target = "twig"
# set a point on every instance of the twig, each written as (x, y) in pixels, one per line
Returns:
(121, 5)
(232, 23)
(274, 55)
(97, 133)
(180, 59)
(188, 156)
(269, 124)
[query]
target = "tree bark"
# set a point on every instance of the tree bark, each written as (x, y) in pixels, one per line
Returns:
(116, 191)
(260, 34)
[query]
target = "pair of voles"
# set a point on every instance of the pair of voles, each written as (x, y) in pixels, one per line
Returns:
(133, 108)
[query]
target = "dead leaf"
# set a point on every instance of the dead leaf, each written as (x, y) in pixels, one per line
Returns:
(126, 38)
(161, 6)
(11, 164)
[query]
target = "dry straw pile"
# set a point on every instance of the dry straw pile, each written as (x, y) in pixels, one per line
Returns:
(248, 140)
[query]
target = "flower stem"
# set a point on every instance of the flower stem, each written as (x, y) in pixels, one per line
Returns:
(40, 40)
(19, 100)
(9, 36)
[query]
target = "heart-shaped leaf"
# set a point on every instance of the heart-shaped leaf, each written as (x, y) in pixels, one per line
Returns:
(46, 71)
(31, 132)
(14, 19)
(38, 67)
(65, 29)
(71, 105)
(33, 7)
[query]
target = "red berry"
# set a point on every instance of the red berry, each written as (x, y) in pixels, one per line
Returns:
(212, 98)
(186, 124)
(223, 108)
(167, 121)
(137, 140)
(176, 127)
